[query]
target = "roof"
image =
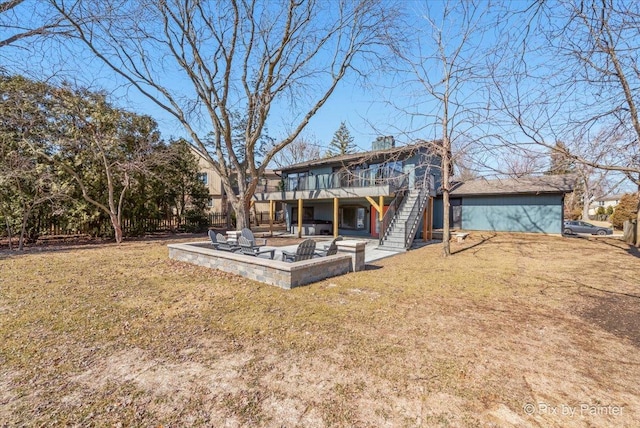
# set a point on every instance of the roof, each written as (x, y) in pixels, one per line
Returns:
(610, 197)
(370, 156)
(516, 186)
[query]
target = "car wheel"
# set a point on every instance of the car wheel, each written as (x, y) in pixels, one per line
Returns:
(568, 231)
(602, 232)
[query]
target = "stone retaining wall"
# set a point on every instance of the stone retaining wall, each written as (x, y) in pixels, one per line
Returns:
(274, 272)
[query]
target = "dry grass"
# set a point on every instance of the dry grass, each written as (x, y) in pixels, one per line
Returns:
(110, 335)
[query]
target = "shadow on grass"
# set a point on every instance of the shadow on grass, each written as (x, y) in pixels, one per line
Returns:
(621, 245)
(372, 267)
(616, 313)
(93, 244)
(477, 244)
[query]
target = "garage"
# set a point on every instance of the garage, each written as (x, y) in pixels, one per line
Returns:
(534, 205)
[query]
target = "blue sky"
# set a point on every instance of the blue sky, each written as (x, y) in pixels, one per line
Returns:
(382, 107)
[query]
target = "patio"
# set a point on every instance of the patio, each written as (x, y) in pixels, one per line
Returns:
(353, 255)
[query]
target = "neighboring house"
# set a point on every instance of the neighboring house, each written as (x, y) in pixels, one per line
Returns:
(605, 202)
(211, 179)
(533, 204)
(217, 196)
(388, 189)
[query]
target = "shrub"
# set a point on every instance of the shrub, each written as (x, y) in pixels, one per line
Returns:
(625, 210)
(600, 211)
(195, 221)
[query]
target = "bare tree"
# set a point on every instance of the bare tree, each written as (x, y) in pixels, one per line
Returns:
(588, 95)
(26, 19)
(443, 70)
(202, 61)
(302, 149)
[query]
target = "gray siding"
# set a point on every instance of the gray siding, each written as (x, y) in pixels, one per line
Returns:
(539, 213)
(437, 213)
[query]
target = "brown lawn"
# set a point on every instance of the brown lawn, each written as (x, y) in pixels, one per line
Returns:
(512, 330)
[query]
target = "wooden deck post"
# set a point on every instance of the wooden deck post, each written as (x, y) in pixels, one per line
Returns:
(425, 215)
(270, 217)
(335, 217)
(299, 218)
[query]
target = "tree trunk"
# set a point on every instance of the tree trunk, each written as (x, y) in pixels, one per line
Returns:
(242, 213)
(255, 214)
(446, 206)
(638, 220)
(6, 219)
(117, 227)
(23, 229)
(585, 210)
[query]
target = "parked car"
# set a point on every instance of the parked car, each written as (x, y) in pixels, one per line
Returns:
(576, 226)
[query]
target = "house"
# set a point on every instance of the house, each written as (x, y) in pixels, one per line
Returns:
(217, 196)
(211, 179)
(605, 202)
(532, 204)
(389, 189)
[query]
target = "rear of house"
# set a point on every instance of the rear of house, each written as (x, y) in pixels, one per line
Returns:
(361, 194)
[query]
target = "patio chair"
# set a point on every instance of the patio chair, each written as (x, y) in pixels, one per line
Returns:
(224, 245)
(305, 251)
(214, 241)
(331, 249)
(247, 247)
(248, 234)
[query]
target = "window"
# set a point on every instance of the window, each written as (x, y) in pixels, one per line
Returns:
(351, 217)
(202, 176)
(297, 181)
(210, 202)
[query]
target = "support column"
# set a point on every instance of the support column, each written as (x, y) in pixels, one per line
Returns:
(270, 217)
(299, 218)
(425, 216)
(335, 217)
(380, 215)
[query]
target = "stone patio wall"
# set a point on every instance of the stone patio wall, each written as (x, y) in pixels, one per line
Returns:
(274, 272)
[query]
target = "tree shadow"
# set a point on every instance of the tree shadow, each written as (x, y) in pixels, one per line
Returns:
(628, 248)
(93, 244)
(481, 242)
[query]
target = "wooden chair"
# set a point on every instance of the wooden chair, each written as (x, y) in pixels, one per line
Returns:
(331, 249)
(214, 241)
(248, 234)
(247, 247)
(224, 245)
(305, 251)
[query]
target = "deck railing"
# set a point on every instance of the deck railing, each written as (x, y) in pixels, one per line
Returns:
(346, 179)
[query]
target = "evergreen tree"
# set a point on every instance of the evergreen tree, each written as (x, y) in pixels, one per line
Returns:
(560, 162)
(625, 210)
(342, 142)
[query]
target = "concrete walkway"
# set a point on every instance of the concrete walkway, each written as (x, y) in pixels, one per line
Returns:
(372, 251)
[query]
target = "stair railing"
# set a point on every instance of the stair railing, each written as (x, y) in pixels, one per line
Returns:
(401, 191)
(390, 216)
(410, 226)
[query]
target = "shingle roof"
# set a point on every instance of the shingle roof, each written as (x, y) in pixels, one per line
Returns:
(371, 156)
(610, 197)
(523, 185)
